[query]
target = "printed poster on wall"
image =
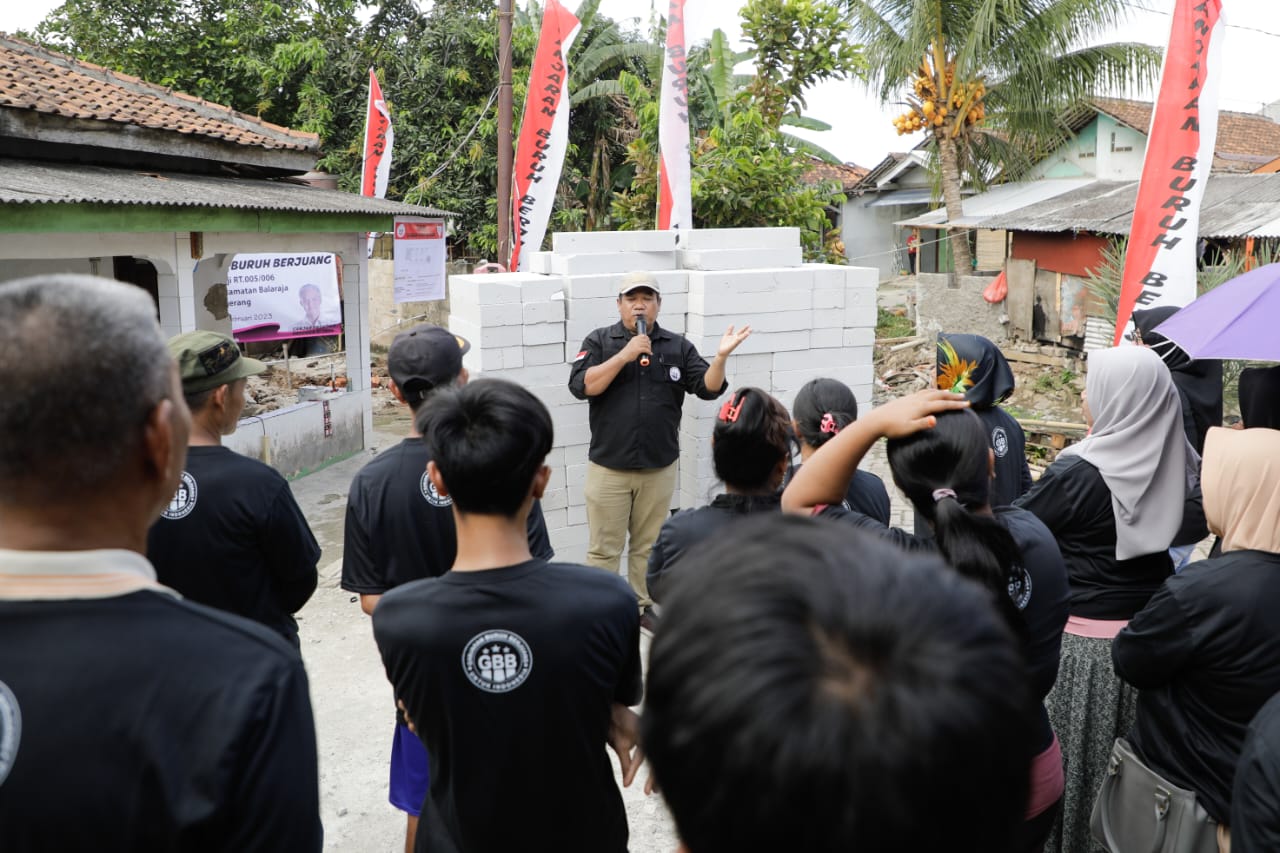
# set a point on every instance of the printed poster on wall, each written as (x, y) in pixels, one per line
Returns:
(272, 296)
(419, 259)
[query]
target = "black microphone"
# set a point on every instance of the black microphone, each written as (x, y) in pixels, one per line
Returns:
(642, 329)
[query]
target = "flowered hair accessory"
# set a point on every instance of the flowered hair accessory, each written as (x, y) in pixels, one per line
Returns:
(828, 424)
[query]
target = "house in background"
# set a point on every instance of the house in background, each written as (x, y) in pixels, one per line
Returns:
(102, 173)
(1050, 229)
(846, 176)
(898, 187)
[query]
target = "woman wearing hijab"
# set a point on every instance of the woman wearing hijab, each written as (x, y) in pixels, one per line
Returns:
(1114, 501)
(1205, 651)
(1260, 397)
(1199, 383)
(973, 366)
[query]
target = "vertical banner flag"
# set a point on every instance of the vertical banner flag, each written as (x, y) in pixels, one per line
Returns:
(1160, 262)
(675, 191)
(378, 138)
(544, 134)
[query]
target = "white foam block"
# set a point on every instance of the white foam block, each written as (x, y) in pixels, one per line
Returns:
(740, 238)
(833, 358)
(506, 314)
(566, 538)
(740, 259)
(862, 276)
(538, 334)
(538, 262)
(576, 515)
(542, 374)
(864, 338)
(826, 338)
(550, 311)
(555, 498)
(604, 310)
(749, 281)
(570, 435)
(750, 304)
(495, 289)
(541, 288)
(576, 454)
(828, 276)
(613, 262)
(544, 354)
(599, 242)
(555, 518)
(491, 337)
(555, 396)
(761, 323)
(826, 298)
(576, 331)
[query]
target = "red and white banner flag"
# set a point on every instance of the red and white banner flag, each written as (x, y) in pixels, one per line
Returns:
(378, 138)
(1160, 262)
(544, 134)
(675, 190)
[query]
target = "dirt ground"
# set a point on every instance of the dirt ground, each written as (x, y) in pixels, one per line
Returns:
(352, 699)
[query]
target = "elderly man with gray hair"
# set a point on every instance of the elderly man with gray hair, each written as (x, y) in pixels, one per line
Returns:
(130, 719)
(634, 375)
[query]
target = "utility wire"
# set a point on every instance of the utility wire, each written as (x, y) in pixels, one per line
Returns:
(1133, 5)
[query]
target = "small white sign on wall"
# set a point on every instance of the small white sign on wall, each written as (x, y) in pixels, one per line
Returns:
(419, 259)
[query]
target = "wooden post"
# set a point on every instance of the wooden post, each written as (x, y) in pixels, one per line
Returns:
(506, 122)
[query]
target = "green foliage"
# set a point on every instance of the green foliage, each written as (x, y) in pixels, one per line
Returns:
(797, 43)
(746, 172)
(890, 325)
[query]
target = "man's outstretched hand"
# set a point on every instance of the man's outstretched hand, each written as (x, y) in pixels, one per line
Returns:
(731, 339)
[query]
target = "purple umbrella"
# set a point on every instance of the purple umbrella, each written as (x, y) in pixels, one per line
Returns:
(1238, 319)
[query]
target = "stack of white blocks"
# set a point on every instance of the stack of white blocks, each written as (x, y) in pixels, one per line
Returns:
(808, 320)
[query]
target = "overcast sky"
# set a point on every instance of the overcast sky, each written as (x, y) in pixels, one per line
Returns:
(861, 131)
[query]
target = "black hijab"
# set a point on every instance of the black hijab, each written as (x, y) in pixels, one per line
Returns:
(973, 366)
(1199, 383)
(1260, 397)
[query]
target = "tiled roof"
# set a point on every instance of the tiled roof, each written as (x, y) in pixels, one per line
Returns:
(1245, 140)
(33, 78)
(844, 174)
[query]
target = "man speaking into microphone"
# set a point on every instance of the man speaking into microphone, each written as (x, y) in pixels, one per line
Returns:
(634, 375)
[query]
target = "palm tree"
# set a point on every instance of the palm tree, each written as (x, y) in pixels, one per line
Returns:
(988, 79)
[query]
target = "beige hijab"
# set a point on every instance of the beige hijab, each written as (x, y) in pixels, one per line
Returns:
(1241, 483)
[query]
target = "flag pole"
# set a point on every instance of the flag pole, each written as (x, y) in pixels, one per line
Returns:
(506, 154)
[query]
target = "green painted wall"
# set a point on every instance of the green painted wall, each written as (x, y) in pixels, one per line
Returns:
(90, 218)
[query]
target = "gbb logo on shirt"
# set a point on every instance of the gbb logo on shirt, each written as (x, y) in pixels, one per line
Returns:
(429, 492)
(1000, 442)
(497, 661)
(10, 730)
(183, 500)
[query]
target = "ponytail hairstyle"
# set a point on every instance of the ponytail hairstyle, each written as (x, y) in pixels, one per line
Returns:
(945, 473)
(823, 408)
(752, 435)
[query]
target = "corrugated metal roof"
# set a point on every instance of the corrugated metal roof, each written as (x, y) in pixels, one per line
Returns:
(29, 182)
(1233, 206)
(997, 201)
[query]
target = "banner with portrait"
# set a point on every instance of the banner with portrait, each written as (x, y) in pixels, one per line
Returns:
(272, 296)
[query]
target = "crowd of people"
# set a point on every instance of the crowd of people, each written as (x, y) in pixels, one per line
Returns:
(1036, 666)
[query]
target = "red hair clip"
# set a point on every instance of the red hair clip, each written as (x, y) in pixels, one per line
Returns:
(828, 424)
(729, 412)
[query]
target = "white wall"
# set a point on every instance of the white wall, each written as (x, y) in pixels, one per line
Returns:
(182, 304)
(810, 320)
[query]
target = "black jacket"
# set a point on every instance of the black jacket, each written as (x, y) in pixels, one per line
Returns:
(1205, 655)
(635, 422)
(686, 529)
(1255, 802)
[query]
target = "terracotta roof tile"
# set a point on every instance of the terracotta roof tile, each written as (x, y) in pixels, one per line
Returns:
(844, 174)
(1245, 140)
(34, 78)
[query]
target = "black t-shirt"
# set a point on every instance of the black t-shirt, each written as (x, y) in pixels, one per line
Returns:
(635, 423)
(1041, 594)
(1009, 444)
(510, 675)
(400, 529)
(1255, 802)
(866, 494)
(152, 723)
(1205, 656)
(234, 538)
(688, 527)
(1073, 501)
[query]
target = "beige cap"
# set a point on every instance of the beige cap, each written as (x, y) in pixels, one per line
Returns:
(636, 280)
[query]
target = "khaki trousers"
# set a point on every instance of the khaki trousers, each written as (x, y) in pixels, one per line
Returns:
(627, 502)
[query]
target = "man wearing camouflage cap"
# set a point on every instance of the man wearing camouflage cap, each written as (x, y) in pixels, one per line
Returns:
(232, 537)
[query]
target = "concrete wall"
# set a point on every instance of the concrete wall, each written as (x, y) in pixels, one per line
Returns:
(872, 240)
(940, 307)
(297, 442)
(809, 320)
(185, 286)
(386, 318)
